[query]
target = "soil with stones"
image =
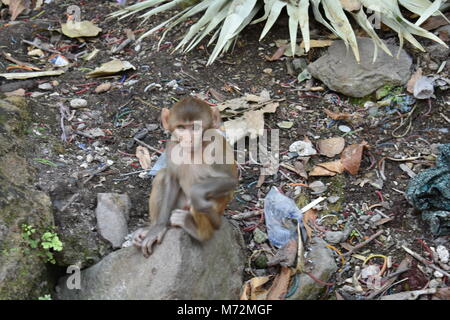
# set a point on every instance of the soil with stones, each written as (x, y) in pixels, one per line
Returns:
(127, 108)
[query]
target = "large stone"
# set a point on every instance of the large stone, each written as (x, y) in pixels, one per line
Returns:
(179, 268)
(112, 216)
(323, 267)
(340, 72)
(23, 273)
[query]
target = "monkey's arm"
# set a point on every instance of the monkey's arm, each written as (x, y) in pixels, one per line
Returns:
(164, 195)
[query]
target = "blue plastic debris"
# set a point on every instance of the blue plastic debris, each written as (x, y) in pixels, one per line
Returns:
(281, 215)
(429, 192)
(401, 103)
(159, 164)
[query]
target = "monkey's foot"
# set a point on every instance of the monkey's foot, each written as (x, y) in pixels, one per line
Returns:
(146, 237)
(179, 217)
(184, 219)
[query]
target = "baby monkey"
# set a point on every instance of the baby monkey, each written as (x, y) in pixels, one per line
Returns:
(194, 189)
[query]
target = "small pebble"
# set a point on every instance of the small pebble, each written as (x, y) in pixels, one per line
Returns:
(344, 129)
(45, 86)
(78, 103)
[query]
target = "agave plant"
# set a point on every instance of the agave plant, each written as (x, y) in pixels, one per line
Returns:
(225, 19)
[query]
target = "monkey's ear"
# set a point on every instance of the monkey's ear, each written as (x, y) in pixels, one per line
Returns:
(165, 114)
(216, 118)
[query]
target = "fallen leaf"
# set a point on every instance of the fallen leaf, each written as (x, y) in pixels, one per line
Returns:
(335, 166)
(16, 93)
(435, 22)
(442, 294)
(278, 54)
(337, 116)
(27, 75)
(327, 169)
(308, 216)
(285, 256)
(351, 157)
(216, 95)
(110, 68)
(300, 168)
(319, 171)
(332, 146)
(16, 7)
(74, 29)
(280, 285)
(317, 43)
(252, 289)
(412, 81)
(144, 157)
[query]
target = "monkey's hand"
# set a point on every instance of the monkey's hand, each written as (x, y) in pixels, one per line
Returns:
(144, 238)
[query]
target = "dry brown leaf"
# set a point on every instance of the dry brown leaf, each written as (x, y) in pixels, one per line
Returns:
(308, 216)
(435, 22)
(300, 168)
(442, 294)
(280, 285)
(110, 68)
(16, 93)
(252, 289)
(332, 146)
(351, 157)
(412, 81)
(80, 29)
(144, 157)
(278, 54)
(17, 6)
(216, 95)
(327, 169)
(334, 166)
(338, 115)
(319, 171)
(285, 256)
(317, 43)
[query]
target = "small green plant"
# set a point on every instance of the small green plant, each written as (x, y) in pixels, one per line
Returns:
(46, 297)
(48, 242)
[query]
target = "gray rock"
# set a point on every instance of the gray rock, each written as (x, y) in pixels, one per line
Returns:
(112, 216)
(334, 236)
(23, 273)
(438, 52)
(179, 268)
(339, 70)
(78, 103)
(324, 267)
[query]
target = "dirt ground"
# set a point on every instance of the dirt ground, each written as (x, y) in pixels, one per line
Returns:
(243, 68)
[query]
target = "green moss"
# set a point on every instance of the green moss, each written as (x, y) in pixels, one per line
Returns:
(336, 187)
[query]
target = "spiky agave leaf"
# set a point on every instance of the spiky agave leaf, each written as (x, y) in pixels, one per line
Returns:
(237, 12)
(226, 19)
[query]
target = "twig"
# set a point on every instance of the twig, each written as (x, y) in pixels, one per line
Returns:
(106, 166)
(404, 266)
(362, 244)
(147, 146)
(40, 46)
(69, 202)
(245, 215)
(20, 63)
(425, 262)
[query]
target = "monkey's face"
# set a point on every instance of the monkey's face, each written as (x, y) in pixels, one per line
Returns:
(189, 135)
